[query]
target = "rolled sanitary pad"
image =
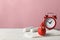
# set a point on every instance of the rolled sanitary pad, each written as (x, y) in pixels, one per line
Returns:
(30, 29)
(30, 32)
(27, 29)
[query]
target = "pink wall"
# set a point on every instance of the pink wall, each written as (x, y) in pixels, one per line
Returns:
(23, 13)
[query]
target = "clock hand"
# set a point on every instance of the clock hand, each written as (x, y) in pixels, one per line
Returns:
(50, 22)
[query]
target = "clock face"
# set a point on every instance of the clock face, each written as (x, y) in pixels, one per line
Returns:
(50, 23)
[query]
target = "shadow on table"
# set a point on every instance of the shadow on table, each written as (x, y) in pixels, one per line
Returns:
(47, 35)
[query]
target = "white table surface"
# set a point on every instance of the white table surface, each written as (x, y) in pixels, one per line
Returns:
(18, 34)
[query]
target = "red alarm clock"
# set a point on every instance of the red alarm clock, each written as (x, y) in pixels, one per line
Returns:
(49, 23)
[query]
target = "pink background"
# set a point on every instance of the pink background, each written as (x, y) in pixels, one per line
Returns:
(24, 13)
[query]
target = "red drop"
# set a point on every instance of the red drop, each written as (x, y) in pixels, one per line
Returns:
(42, 30)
